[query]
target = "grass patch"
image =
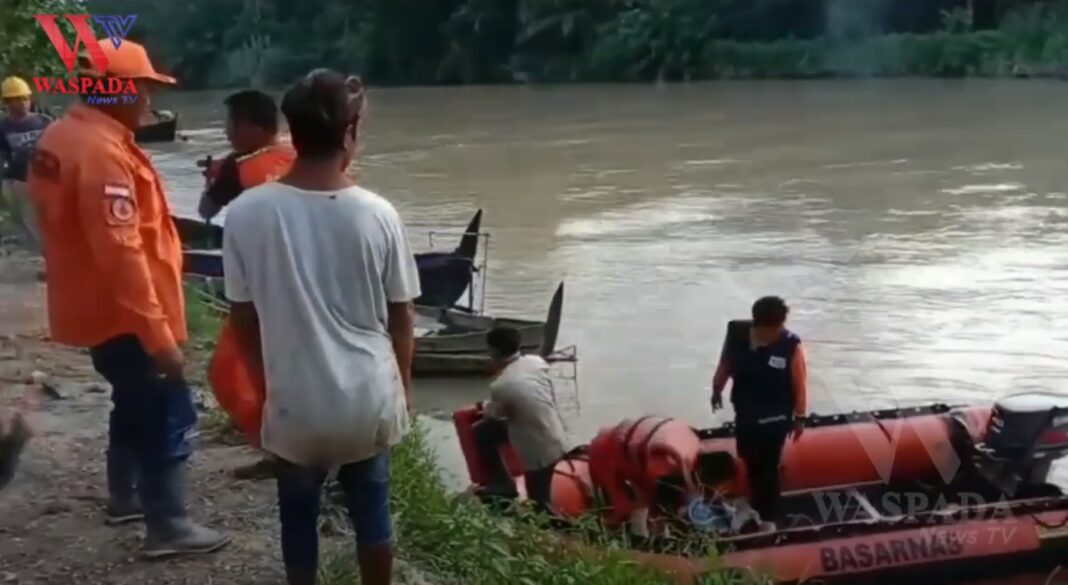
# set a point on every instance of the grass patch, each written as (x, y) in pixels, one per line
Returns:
(203, 319)
(9, 213)
(459, 540)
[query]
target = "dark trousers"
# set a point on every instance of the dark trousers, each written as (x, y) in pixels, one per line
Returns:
(760, 446)
(490, 434)
(150, 416)
(366, 487)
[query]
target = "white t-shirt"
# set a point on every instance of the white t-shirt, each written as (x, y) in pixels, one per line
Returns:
(320, 268)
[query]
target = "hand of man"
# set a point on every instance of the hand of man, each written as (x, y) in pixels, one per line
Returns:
(717, 401)
(799, 428)
(170, 363)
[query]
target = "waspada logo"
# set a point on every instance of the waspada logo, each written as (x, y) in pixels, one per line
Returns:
(95, 84)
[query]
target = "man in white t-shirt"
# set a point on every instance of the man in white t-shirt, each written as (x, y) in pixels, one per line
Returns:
(321, 278)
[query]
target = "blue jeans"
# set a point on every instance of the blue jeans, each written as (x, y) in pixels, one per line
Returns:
(150, 416)
(366, 486)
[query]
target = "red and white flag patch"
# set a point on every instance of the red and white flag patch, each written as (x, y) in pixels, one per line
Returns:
(119, 207)
(115, 190)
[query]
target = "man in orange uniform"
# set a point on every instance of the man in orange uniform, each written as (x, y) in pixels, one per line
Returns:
(630, 461)
(257, 157)
(770, 396)
(114, 267)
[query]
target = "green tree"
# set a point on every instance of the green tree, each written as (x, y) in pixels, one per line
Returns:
(25, 50)
(655, 39)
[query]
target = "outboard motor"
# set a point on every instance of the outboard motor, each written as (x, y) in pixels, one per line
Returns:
(1027, 433)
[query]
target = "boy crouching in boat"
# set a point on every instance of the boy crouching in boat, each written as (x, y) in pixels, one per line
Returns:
(522, 410)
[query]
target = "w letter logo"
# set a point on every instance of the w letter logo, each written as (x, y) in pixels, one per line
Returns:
(116, 28)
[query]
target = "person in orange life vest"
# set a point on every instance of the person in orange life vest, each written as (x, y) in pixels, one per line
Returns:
(634, 461)
(258, 157)
(770, 394)
(114, 273)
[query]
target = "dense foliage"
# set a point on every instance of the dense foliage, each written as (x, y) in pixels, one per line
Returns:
(210, 43)
(24, 49)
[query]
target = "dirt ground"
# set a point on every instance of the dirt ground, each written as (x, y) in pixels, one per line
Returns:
(52, 517)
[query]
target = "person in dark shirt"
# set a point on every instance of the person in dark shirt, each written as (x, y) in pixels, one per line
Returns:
(19, 130)
(257, 157)
(770, 394)
(19, 133)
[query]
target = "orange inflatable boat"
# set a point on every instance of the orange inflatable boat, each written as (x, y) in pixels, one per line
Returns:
(931, 494)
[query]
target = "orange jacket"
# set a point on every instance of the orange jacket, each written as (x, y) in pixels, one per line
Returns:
(236, 173)
(113, 257)
(627, 460)
(266, 165)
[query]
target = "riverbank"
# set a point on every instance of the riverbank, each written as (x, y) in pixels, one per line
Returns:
(53, 511)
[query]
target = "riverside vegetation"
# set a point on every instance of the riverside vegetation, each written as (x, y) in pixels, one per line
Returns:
(222, 43)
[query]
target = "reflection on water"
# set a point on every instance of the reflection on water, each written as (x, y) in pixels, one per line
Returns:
(918, 229)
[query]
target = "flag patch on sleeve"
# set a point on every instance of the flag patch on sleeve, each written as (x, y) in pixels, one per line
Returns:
(116, 190)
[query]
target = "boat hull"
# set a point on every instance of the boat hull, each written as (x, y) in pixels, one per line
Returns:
(459, 348)
(871, 542)
(466, 333)
(1019, 545)
(444, 276)
(869, 448)
(164, 129)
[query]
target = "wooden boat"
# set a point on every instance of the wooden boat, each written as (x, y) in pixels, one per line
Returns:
(197, 233)
(457, 347)
(923, 495)
(163, 128)
(443, 276)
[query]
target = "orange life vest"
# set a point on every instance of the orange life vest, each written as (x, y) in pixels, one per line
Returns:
(232, 176)
(265, 165)
(240, 389)
(628, 460)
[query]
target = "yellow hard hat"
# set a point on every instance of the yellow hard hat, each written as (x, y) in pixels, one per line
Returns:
(14, 87)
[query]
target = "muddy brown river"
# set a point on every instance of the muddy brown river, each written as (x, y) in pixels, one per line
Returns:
(918, 230)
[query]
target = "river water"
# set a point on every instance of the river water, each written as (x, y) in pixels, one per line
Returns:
(918, 229)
